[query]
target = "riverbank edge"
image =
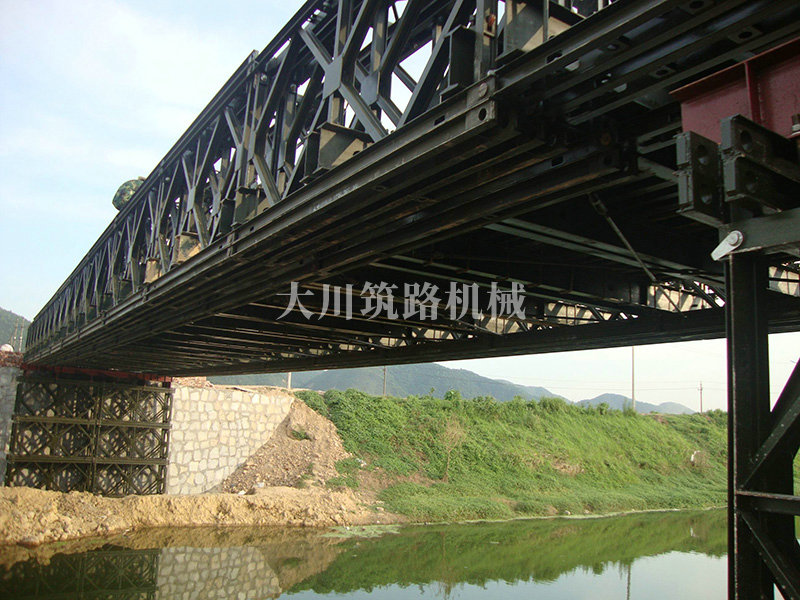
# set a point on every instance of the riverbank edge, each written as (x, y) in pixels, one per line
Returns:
(608, 515)
(31, 518)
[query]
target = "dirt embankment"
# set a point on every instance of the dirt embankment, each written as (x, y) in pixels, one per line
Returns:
(301, 453)
(31, 517)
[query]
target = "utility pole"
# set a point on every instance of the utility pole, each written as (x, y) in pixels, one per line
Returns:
(628, 596)
(701, 397)
(384, 381)
(633, 380)
(289, 380)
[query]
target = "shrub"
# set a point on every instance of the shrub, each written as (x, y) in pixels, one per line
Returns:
(554, 405)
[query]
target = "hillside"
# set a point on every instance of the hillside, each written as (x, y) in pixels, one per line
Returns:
(451, 458)
(402, 380)
(620, 402)
(11, 324)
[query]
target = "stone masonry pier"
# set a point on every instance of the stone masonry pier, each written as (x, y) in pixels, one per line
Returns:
(9, 369)
(215, 429)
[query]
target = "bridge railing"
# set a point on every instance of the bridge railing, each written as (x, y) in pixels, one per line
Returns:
(340, 76)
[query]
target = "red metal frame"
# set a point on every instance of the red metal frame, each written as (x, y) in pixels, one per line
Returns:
(29, 368)
(10, 359)
(765, 88)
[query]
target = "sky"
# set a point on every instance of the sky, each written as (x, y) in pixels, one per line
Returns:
(93, 93)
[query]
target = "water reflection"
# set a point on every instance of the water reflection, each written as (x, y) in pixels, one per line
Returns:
(115, 573)
(652, 556)
(467, 561)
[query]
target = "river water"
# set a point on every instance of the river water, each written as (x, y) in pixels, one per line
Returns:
(650, 556)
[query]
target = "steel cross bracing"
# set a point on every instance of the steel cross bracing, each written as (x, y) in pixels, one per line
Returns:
(89, 434)
(424, 141)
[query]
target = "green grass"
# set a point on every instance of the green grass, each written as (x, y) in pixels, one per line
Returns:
(348, 474)
(527, 458)
(299, 434)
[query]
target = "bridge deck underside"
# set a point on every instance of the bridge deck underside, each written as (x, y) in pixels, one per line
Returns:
(529, 175)
(582, 289)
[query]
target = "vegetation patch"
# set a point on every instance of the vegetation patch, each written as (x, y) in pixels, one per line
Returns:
(498, 460)
(299, 434)
(348, 473)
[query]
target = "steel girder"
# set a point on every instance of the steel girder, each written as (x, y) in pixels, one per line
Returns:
(436, 140)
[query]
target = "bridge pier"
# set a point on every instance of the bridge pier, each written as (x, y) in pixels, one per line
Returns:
(94, 431)
(762, 445)
(9, 371)
(743, 179)
(116, 434)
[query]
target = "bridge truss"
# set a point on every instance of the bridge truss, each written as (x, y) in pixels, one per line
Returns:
(479, 143)
(436, 141)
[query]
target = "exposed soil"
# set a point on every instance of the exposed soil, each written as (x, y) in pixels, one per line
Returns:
(30, 517)
(196, 382)
(302, 453)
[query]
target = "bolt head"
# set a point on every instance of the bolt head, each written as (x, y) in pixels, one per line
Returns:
(483, 89)
(735, 238)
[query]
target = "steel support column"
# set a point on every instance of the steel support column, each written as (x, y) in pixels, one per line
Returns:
(762, 544)
(748, 411)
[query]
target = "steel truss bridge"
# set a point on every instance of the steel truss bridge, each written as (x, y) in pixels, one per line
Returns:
(477, 142)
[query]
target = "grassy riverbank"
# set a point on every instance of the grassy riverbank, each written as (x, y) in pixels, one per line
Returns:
(453, 459)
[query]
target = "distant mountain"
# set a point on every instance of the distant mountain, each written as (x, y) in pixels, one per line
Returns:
(402, 380)
(13, 328)
(619, 402)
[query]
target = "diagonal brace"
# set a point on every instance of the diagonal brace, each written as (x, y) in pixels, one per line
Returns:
(785, 432)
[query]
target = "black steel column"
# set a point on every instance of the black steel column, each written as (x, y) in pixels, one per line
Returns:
(762, 443)
(748, 415)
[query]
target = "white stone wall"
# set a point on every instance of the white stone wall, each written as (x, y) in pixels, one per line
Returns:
(8, 394)
(209, 573)
(214, 430)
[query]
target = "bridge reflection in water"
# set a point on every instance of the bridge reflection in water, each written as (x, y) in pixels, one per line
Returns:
(659, 555)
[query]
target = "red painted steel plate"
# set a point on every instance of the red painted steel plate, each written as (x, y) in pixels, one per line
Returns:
(765, 89)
